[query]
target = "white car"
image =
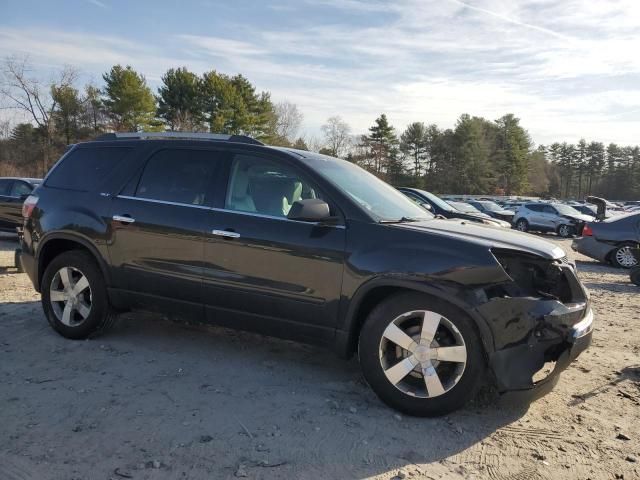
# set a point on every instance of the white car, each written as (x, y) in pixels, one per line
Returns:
(566, 221)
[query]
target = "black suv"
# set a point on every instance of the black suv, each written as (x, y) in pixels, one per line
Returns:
(304, 246)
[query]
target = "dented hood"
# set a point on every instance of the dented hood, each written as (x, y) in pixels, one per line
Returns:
(486, 235)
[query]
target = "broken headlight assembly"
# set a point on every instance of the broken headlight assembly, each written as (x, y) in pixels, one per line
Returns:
(532, 276)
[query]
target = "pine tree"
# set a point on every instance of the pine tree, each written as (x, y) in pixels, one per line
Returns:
(129, 101)
(180, 101)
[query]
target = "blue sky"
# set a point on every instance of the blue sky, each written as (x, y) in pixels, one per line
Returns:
(567, 68)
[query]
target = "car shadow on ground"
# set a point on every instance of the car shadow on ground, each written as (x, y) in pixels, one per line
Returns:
(162, 387)
(621, 283)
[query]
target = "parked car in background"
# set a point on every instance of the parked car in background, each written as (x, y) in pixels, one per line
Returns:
(493, 209)
(611, 240)
(585, 209)
(551, 217)
(438, 206)
(466, 208)
(13, 191)
(301, 245)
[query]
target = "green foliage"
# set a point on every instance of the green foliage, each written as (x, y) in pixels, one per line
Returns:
(69, 108)
(129, 101)
(180, 100)
(231, 105)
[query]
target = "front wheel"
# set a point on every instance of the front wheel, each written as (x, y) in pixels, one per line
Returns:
(420, 355)
(522, 225)
(74, 296)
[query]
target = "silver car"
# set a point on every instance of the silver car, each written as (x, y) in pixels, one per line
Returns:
(562, 219)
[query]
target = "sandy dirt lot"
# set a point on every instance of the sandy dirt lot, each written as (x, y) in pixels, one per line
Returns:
(153, 399)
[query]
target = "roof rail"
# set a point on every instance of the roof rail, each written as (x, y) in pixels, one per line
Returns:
(179, 135)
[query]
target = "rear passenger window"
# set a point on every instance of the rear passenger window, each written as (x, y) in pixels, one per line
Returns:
(4, 186)
(534, 208)
(176, 175)
(84, 169)
(19, 189)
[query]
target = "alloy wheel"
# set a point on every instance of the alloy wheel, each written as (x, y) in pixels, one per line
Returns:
(522, 226)
(70, 296)
(564, 231)
(423, 354)
(625, 257)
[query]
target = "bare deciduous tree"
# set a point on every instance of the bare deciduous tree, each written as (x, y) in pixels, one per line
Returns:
(337, 136)
(24, 92)
(288, 120)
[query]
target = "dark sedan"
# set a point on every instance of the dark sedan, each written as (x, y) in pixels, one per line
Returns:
(611, 240)
(492, 209)
(438, 206)
(13, 191)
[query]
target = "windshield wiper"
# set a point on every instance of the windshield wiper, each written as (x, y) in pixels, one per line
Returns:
(404, 220)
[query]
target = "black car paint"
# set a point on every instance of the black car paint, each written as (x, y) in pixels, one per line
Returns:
(11, 205)
(299, 280)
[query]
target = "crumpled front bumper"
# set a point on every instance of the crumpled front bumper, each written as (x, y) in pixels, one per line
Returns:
(536, 338)
(515, 367)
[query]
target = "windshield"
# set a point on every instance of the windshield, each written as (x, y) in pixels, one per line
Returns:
(464, 207)
(565, 209)
(436, 200)
(491, 206)
(380, 199)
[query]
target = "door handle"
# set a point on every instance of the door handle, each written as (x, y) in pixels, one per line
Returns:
(123, 218)
(225, 233)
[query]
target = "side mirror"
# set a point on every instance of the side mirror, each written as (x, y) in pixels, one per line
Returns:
(427, 206)
(309, 210)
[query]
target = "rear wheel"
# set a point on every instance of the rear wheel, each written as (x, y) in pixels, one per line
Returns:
(623, 257)
(522, 225)
(420, 355)
(74, 296)
(565, 231)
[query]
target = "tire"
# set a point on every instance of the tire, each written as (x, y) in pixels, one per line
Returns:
(565, 231)
(635, 275)
(456, 380)
(522, 225)
(621, 256)
(67, 313)
(16, 261)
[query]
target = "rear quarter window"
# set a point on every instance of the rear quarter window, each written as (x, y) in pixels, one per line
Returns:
(85, 169)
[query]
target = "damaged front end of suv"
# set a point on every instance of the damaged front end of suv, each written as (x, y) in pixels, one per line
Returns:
(540, 318)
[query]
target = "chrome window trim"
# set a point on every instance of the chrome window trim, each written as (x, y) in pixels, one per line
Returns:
(163, 202)
(225, 210)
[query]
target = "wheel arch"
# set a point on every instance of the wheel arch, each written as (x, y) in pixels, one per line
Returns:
(58, 243)
(377, 290)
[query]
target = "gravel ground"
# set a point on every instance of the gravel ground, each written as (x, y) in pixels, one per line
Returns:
(153, 399)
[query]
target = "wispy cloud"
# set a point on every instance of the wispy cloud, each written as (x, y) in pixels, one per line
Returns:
(97, 3)
(567, 68)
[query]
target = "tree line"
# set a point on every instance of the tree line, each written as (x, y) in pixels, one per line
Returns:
(476, 156)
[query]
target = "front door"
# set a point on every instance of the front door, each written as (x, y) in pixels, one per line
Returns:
(266, 272)
(157, 242)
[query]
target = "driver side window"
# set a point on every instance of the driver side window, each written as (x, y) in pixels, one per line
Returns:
(548, 209)
(258, 185)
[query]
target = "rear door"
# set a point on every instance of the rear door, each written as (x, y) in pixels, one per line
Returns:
(266, 272)
(158, 225)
